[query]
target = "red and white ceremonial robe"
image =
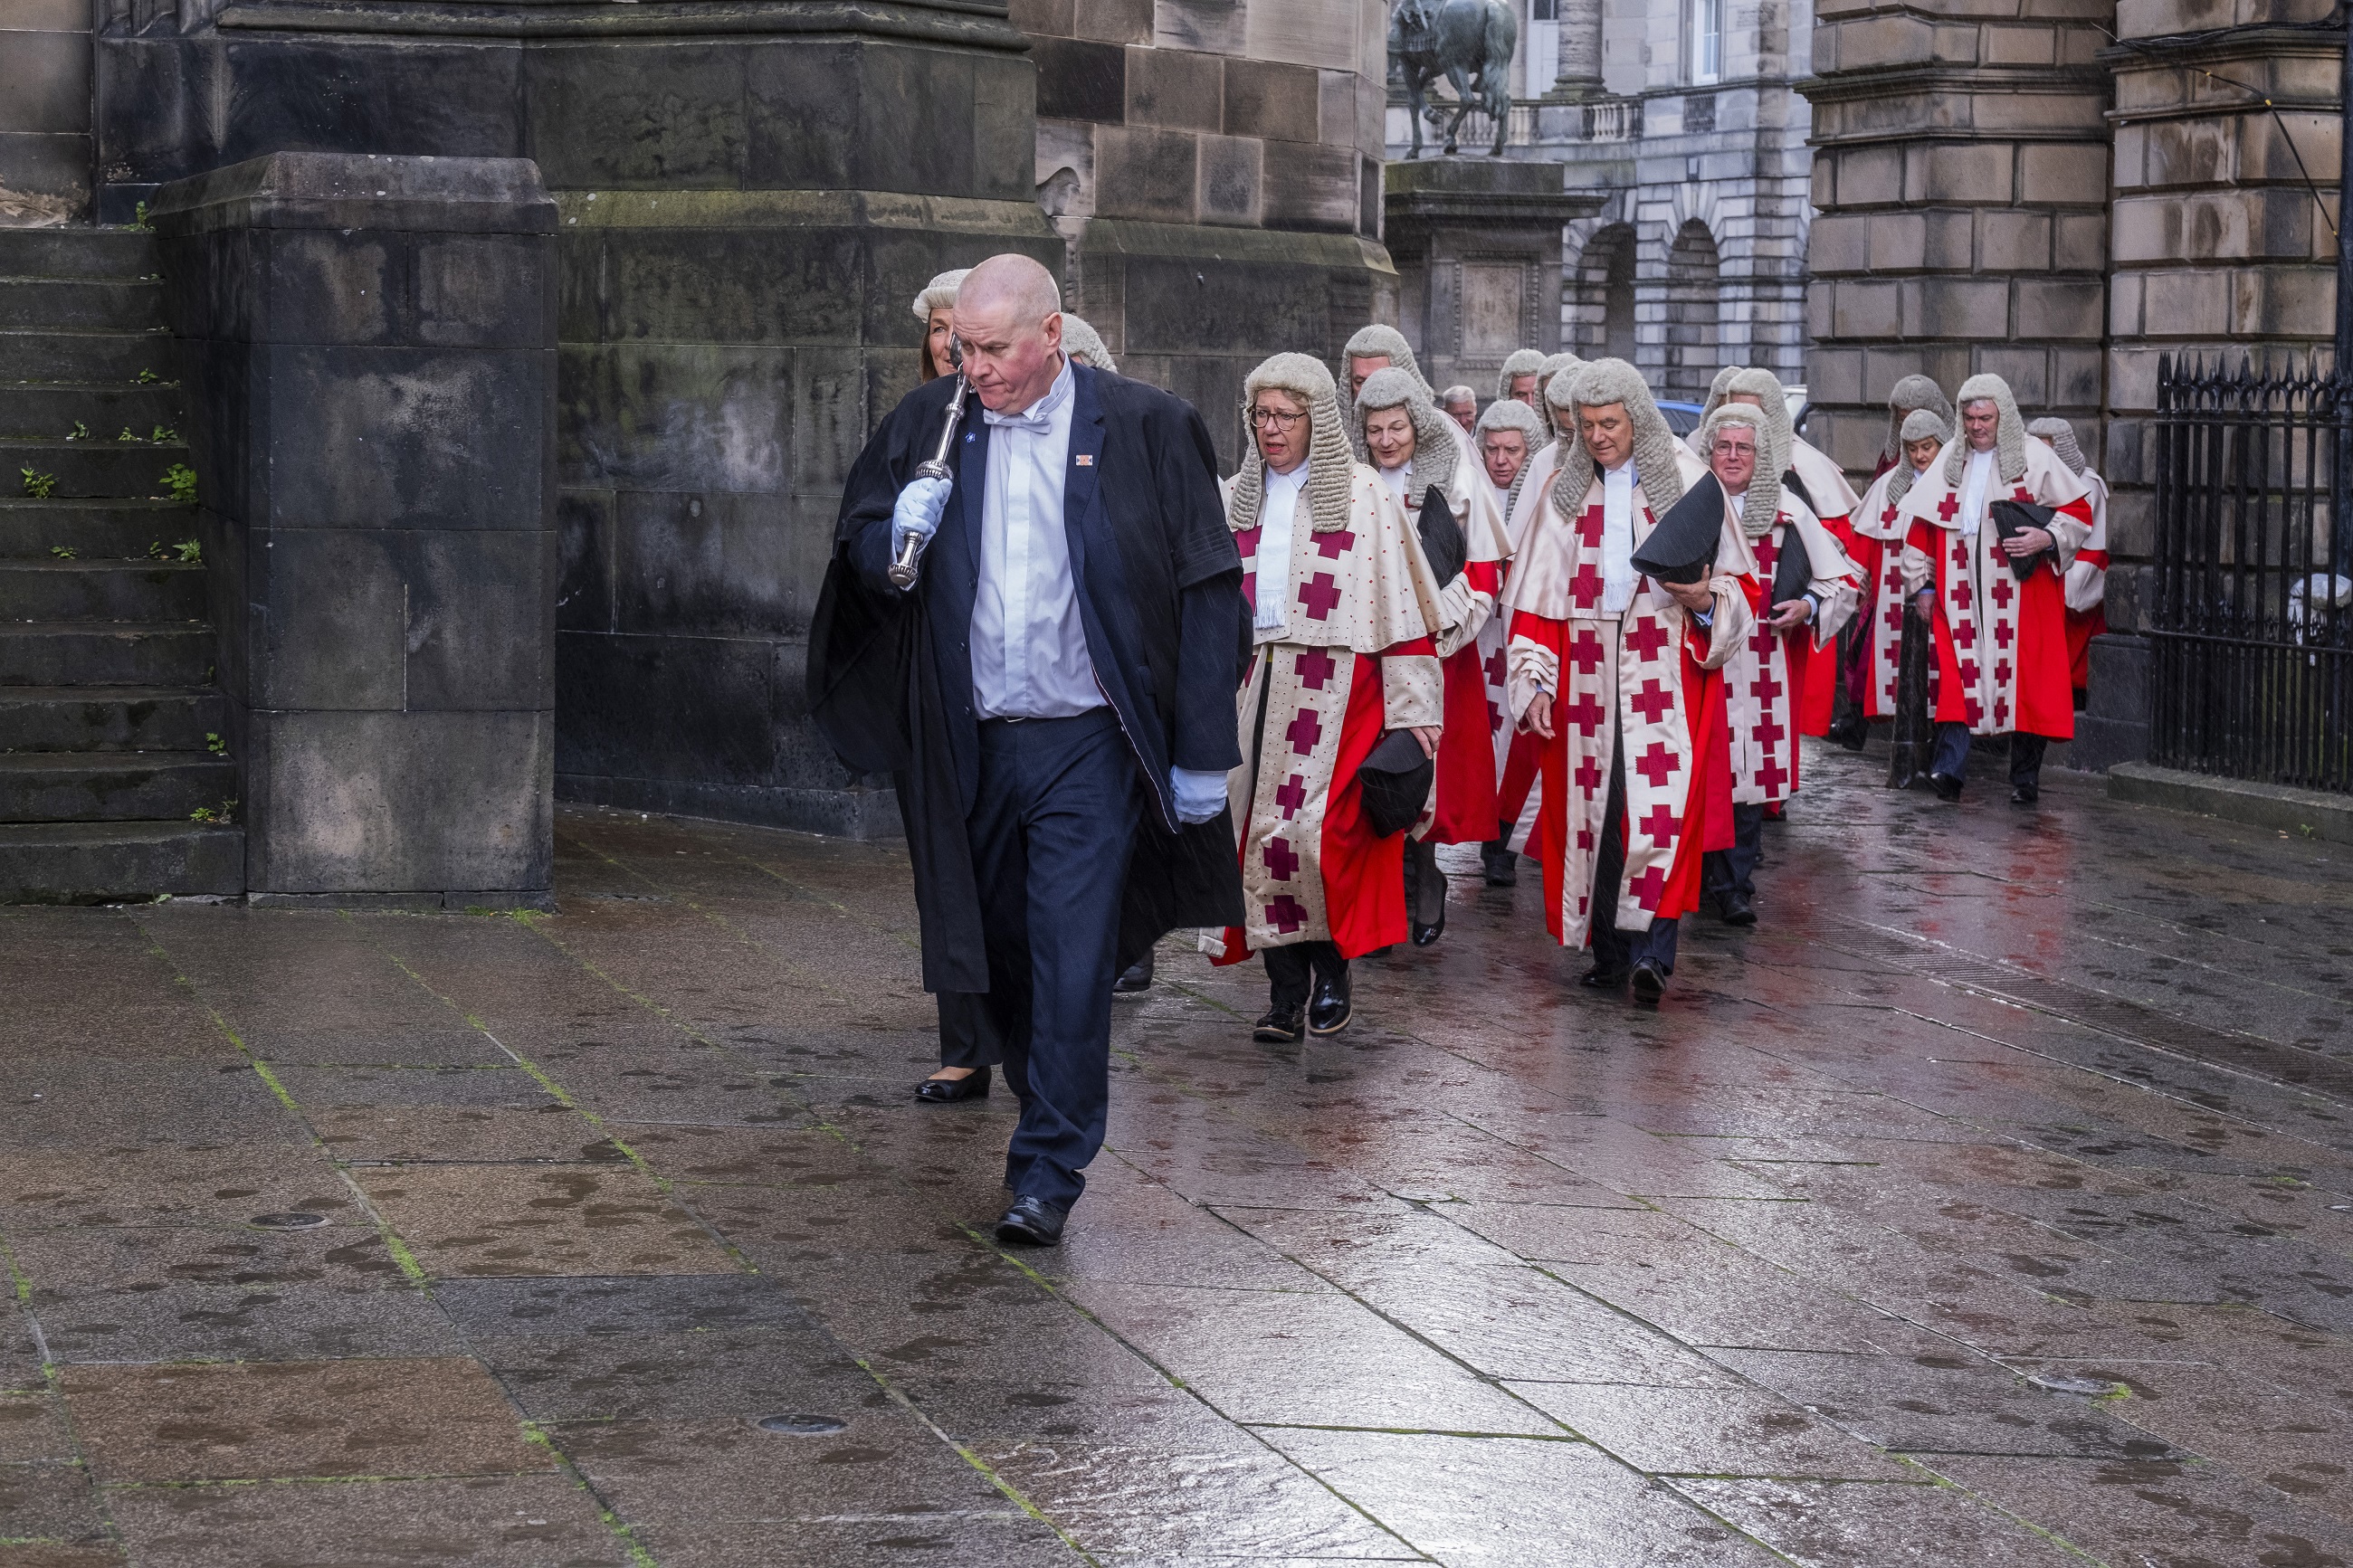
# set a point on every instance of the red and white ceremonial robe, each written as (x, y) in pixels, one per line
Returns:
(1763, 676)
(1355, 658)
(2087, 585)
(1646, 678)
(1834, 504)
(1465, 795)
(1878, 549)
(1519, 784)
(2001, 644)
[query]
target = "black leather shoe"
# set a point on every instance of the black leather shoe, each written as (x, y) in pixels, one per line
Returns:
(2021, 795)
(1280, 1027)
(1136, 976)
(1501, 866)
(1032, 1222)
(1428, 935)
(1734, 905)
(974, 1085)
(1328, 1010)
(1947, 786)
(1650, 982)
(1599, 979)
(1849, 734)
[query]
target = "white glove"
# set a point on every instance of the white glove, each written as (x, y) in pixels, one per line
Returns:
(1200, 795)
(921, 506)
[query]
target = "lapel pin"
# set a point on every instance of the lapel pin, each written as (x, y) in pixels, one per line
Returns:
(1085, 460)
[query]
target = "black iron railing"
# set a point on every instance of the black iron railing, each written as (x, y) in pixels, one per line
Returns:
(2251, 613)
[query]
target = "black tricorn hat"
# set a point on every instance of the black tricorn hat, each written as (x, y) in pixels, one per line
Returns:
(1793, 570)
(1396, 779)
(2010, 516)
(1683, 546)
(1442, 537)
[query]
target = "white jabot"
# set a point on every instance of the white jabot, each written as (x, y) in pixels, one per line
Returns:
(1029, 658)
(1395, 479)
(1618, 537)
(1275, 515)
(1974, 484)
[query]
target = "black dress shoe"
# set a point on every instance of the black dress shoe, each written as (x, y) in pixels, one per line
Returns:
(1428, 935)
(2021, 795)
(1600, 979)
(1735, 908)
(1032, 1222)
(1136, 976)
(1650, 982)
(974, 1085)
(1328, 1009)
(1848, 734)
(1501, 866)
(1947, 786)
(1280, 1027)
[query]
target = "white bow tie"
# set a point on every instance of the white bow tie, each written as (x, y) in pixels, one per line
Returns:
(1037, 419)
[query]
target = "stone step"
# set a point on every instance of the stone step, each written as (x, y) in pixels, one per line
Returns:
(29, 355)
(81, 304)
(94, 530)
(114, 469)
(58, 590)
(49, 410)
(106, 653)
(77, 252)
(118, 862)
(111, 786)
(107, 719)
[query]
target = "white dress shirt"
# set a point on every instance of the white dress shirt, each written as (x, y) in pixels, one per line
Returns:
(1030, 656)
(1974, 486)
(1275, 516)
(1618, 574)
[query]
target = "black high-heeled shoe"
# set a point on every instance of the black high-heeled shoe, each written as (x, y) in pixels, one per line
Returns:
(974, 1085)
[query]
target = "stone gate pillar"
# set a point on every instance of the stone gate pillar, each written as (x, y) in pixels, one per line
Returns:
(1477, 247)
(371, 343)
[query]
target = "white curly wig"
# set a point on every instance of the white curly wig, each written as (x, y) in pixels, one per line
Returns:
(1377, 341)
(1520, 362)
(1435, 454)
(1597, 385)
(939, 294)
(1331, 467)
(1085, 344)
(2010, 433)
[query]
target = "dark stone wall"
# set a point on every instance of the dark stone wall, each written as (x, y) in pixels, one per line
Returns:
(371, 346)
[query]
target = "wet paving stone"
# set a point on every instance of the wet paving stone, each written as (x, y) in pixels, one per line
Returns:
(539, 1220)
(520, 1521)
(260, 1421)
(1983, 1198)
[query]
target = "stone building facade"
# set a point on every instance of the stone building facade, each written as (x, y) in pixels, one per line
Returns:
(1682, 116)
(2064, 191)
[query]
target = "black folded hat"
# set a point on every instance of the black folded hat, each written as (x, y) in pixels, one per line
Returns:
(1396, 779)
(1792, 570)
(1681, 547)
(2012, 518)
(1442, 537)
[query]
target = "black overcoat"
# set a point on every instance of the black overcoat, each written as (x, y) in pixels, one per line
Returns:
(1158, 587)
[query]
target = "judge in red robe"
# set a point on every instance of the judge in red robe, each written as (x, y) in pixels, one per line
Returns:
(2001, 666)
(1345, 614)
(1616, 674)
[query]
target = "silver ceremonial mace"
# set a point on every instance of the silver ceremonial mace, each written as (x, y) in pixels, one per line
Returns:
(911, 549)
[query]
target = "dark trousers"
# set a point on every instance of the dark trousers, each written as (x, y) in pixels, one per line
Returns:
(1735, 870)
(1615, 951)
(2025, 755)
(967, 1032)
(1051, 829)
(1291, 971)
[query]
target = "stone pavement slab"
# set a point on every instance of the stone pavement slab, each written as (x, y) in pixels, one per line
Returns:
(1986, 1203)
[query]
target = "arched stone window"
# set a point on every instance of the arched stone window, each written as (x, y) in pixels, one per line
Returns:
(1692, 307)
(1601, 303)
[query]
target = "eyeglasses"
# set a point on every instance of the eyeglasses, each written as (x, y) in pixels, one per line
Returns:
(1274, 419)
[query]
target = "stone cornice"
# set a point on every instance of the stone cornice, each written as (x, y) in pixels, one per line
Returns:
(971, 24)
(2179, 50)
(1869, 82)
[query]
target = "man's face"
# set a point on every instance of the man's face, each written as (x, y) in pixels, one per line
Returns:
(1388, 434)
(1465, 414)
(1733, 457)
(1361, 369)
(1608, 433)
(1750, 398)
(1921, 453)
(1282, 424)
(1503, 453)
(1524, 389)
(1980, 421)
(1010, 363)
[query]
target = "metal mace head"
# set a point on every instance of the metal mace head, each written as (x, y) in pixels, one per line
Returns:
(905, 567)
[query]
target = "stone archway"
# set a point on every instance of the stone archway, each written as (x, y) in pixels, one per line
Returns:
(1693, 313)
(1601, 295)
